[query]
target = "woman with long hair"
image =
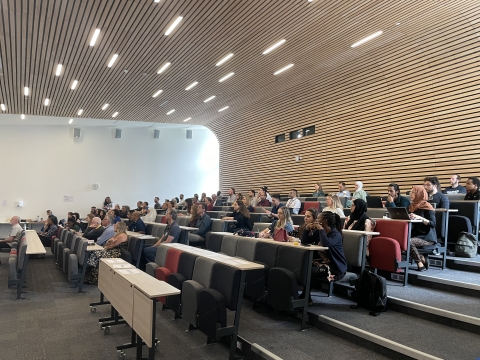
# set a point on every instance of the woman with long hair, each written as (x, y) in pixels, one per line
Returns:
(308, 227)
(423, 233)
(193, 216)
(318, 190)
(334, 205)
(241, 215)
(284, 222)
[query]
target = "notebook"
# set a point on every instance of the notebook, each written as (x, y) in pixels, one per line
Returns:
(399, 213)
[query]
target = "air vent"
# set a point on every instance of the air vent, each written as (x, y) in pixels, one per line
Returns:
(189, 134)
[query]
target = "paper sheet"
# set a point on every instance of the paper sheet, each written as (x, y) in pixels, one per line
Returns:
(129, 271)
(122, 266)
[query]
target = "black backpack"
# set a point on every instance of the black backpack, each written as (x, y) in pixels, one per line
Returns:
(466, 245)
(370, 293)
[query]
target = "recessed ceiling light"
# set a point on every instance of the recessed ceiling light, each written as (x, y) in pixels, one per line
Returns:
(104, 106)
(224, 59)
(112, 60)
(282, 69)
(70, 121)
(370, 37)
(187, 119)
(191, 85)
(74, 84)
(25, 91)
(22, 116)
(94, 37)
(171, 112)
(3, 107)
(59, 70)
(210, 98)
(157, 1)
(174, 25)
(224, 108)
(80, 112)
(115, 114)
(163, 68)
(47, 102)
(226, 77)
(157, 93)
(274, 46)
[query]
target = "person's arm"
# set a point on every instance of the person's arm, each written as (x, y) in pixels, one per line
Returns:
(404, 202)
(172, 234)
(8, 239)
(203, 228)
(141, 228)
(444, 202)
(52, 230)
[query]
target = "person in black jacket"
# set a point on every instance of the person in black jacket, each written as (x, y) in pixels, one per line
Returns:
(94, 230)
(241, 214)
(473, 189)
(423, 233)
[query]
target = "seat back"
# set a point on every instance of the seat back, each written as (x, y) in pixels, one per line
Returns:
(213, 241)
(161, 255)
(172, 258)
(397, 230)
(246, 248)
(457, 224)
(260, 226)
(226, 280)
(376, 213)
(74, 244)
(135, 247)
(469, 209)
(183, 220)
(295, 260)
(69, 240)
(183, 237)
(202, 271)
(441, 224)
(266, 253)
(218, 225)
(148, 229)
(229, 245)
(82, 251)
(158, 230)
(186, 263)
(256, 217)
(298, 219)
(21, 253)
(311, 204)
(259, 209)
(354, 246)
(158, 219)
(213, 214)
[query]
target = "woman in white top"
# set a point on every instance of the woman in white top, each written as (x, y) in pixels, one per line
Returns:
(334, 205)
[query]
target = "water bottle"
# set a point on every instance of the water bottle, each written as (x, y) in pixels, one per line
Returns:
(38, 218)
(256, 232)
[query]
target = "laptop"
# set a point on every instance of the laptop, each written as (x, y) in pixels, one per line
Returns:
(399, 213)
(374, 202)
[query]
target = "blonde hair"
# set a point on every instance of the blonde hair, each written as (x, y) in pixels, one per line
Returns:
(288, 218)
(121, 228)
(336, 204)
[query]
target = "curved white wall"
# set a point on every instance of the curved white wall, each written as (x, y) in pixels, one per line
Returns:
(42, 164)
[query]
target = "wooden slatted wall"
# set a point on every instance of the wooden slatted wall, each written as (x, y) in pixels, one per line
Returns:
(396, 112)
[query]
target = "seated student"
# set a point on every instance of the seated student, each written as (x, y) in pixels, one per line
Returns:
(209, 202)
(112, 249)
(218, 201)
(124, 211)
(251, 198)
(342, 190)
(89, 219)
(94, 230)
(307, 227)
(170, 235)
(272, 214)
(203, 197)
(93, 210)
(245, 202)
(49, 231)
(139, 206)
(15, 233)
(358, 219)
(473, 189)
(455, 187)
(432, 186)
(77, 218)
(107, 204)
(203, 223)
(137, 224)
(157, 205)
(241, 214)
(193, 216)
(117, 207)
(294, 203)
(116, 215)
(262, 198)
(394, 199)
(72, 224)
(195, 198)
(231, 196)
(163, 209)
(331, 264)
(334, 205)
(359, 193)
(422, 233)
(108, 232)
(101, 213)
(284, 222)
(145, 209)
(181, 201)
(318, 190)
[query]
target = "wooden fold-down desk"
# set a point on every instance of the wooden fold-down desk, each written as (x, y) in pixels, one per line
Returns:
(133, 294)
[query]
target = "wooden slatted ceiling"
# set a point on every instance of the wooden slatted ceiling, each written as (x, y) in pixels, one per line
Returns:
(37, 35)
(396, 113)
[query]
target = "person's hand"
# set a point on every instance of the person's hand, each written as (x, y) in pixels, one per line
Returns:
(390, 198)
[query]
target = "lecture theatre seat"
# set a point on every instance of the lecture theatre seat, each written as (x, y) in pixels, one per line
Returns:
(160, 257)
(229, 245)
(171, 266)
(186, 264)
(311, 204)
(213, 241)
(133, 253)
(77, 265)
(256, 281)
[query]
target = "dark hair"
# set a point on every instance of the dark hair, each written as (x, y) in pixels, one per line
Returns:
(102, 213)
(233, 189)
(209, 199)
(253, 191)
(202, 205)
(54, 219)
(77, 215)
(72, 219)
(146, 202)
(475, 181)
(296, 192)
(313, 211)
(333, 220)
(433, 180)
(243, 209)
(195, 196)
(395, 187)
(156, 197)
(276, 196)
(131, 211)
(189, 202)
(341, 182)
(177, 199)
(219, 193)
(116, 212)
(458, 177)
(172, 203)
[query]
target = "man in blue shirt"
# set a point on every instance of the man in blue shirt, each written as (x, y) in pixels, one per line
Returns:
(276, 205)
(204, 224)
(455, 187)
(108, 233)
(170, 235)
(136, 224)
(432, 184)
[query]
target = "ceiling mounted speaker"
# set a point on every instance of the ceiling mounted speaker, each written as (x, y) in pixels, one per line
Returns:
(76, 132)
(189, 134)
(156, 134)
(118, 133)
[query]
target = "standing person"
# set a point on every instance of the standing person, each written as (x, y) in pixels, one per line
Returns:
(157, 205)
(334, 205)
(318, 190)
(241, 215)
(422, 233)
(15, 233)
(294, 203)
(49, 231)
(455, 187)
(432, 186)
(473, 188)
(394, 199)
(107, 204)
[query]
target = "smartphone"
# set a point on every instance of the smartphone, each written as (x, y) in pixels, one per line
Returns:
(303, 244)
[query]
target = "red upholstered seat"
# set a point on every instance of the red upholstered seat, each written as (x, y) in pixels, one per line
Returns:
(171, 266)
(163, 220)
(310, 204)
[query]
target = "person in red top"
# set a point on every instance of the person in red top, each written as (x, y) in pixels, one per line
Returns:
(209, 203)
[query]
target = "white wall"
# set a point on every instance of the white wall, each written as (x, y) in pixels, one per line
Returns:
(42, 164)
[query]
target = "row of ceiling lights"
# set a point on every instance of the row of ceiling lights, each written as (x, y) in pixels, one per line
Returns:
(96, 33)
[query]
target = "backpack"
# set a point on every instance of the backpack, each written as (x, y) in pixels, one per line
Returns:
(370, 293)
(466, 245)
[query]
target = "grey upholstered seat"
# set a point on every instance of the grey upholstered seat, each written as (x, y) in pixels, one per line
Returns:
(77, 264)
(159, 260)
(229, 245)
